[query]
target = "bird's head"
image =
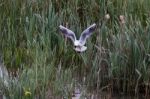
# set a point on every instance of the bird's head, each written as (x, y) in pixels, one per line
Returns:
(80, 48)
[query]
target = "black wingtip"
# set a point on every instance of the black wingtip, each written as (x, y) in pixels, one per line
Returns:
(63, 29)
(92, 27)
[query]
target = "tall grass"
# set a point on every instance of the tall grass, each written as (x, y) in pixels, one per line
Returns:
(45, 64)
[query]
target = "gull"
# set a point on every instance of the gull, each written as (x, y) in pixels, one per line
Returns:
(79, 44)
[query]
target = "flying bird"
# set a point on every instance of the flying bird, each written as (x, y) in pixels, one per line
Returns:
(80, 43)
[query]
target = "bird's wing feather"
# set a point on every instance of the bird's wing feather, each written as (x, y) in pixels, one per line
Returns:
(68, 33)
(86, 33)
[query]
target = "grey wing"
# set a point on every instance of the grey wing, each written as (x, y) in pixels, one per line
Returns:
(87, 33)
(68, 33)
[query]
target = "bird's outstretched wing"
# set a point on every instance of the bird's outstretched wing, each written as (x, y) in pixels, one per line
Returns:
(86, 34)
(68, 33)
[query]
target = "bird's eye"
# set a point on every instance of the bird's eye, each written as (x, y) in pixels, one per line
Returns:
(77, 46)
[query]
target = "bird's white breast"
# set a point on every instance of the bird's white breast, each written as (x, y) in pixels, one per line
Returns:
(76, 43)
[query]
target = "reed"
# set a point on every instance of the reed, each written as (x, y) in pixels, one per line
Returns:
(41, 63)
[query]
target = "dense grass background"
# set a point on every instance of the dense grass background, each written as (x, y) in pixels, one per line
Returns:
(35, 52)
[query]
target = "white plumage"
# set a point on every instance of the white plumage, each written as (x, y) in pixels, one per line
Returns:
(79, 44)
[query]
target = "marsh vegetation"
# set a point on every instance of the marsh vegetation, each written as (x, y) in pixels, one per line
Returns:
(43, 64)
